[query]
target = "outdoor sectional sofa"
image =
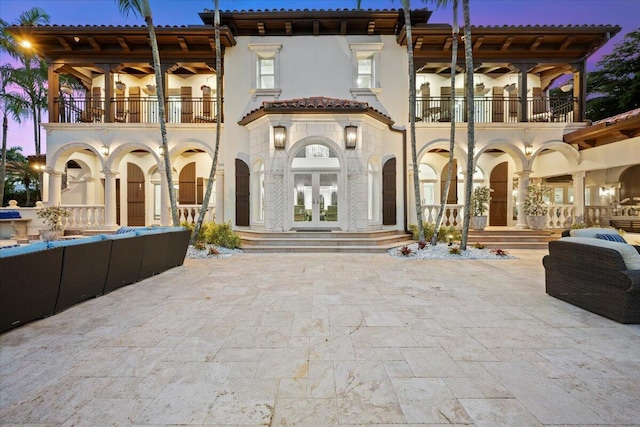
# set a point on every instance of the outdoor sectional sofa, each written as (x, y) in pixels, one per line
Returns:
(42, 279)
(597, 275)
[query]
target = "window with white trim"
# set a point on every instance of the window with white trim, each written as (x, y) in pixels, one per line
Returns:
(266, 69)
(366, 58)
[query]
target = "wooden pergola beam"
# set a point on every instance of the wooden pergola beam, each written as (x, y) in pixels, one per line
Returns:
(123, 44)
(64, 43)
(94, 44)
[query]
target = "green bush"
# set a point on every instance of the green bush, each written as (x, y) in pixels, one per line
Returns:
(429, 229)
(216, 234)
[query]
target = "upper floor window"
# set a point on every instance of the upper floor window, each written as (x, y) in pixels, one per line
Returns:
(366, 59)
(266, 69)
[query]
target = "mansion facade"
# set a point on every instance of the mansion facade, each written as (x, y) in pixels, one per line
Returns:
(315, 121)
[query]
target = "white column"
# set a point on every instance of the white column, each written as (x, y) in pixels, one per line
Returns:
(55, 187)
(90, 190)
(219, 202)
(165, 203)
(110, 202)
(578, 195)
(523, 183)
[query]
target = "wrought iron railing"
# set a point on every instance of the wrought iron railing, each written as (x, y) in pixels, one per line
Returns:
(495, 109)
(136, 110)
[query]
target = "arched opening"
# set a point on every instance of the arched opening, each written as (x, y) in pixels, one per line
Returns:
(630, 185)
(243, 193)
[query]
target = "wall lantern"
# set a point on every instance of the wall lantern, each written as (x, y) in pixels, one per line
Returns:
(350, 137)
(566, 87)
(104, 150)
(279, 137)
(528, 150)
(161, 150)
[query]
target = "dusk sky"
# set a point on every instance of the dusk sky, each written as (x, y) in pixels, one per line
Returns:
(624, 13)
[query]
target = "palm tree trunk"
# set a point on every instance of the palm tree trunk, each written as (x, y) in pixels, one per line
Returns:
(3, 165)
(452, 115)
(468, 181)
(406, 7)
(162, 118)
(214, 165)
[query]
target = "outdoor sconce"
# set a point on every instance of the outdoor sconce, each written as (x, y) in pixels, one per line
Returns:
(350, 137)
(510, 88)
(104, 150)
(161, 150)
(279, 137)
(528, 150)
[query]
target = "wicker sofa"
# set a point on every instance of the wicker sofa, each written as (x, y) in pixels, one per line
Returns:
(41, 279)
(598, 275)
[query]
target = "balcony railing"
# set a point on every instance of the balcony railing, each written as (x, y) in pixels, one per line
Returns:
(496, 109)
(136, 110)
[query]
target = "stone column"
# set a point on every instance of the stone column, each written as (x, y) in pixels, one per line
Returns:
(55, 187)
(110, 202)
(90, 190)
(578, 195)
(523, 183)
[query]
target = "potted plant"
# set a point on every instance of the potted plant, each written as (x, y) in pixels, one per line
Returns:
(535, 207)
(480, 199)
(52, 216)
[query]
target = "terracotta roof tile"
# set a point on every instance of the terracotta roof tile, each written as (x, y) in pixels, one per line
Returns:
(317, 102)
(619, 117)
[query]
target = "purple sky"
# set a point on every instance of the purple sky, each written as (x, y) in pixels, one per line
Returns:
(182, 12)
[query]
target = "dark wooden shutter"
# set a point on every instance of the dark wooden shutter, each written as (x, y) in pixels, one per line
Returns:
(389, 192)
(242, 193)
(452, 197)
(538, 101)
(134, 104)
(200, 190)
(445, 104)
(187, 185)
(499, 195)
(135, 196)
(497, 105)
(187, 104)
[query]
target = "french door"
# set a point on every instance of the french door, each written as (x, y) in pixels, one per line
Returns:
(315, 199)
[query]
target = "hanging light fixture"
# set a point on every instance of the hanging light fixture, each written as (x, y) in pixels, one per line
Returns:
(120, 84)
(279, 137)
(350, 137)
(510, 88)
(566, 87)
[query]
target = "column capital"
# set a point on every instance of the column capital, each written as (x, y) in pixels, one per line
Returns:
(52, 172)
(109, 172)
(579, 174)
(523, 173)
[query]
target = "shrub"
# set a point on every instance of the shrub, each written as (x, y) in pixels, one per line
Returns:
(499, 252)
(442, 233)
(405, 250)
(221, 235)
(455, 250)
(480, 199)
(478, 245)
(422, 244)
(199, 245)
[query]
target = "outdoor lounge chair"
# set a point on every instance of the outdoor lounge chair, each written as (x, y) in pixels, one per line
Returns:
(125, 260)
(28, 283)
(154, 256)
(178, 243)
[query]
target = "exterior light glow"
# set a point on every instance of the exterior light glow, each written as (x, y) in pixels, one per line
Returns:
(528, 150)
(350, 137)
(26, 44)
(279, 137)
(104, 150)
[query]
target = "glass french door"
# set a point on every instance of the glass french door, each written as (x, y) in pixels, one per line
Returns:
(315, 199)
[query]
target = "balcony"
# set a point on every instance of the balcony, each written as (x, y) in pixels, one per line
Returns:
(497, 109)
(134, 110)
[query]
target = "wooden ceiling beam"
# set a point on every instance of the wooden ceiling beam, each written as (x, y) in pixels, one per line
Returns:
(478, 43)
(123, 44)
(288, 27)
(316, 28)
(343, 28)
(506, 44)
(371, 27)
(64, 43)
(536, 43)
(94, 43)
(183, 44)
(261, 29)
(212, 43)
(447, 43)
(566, 43)
(419, 42)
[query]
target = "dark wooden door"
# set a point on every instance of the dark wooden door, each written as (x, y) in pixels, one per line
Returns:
(499, 196)
(497, 105)
(242, 193)
(118, 204)
(135, 196)
(187, 185)
(389, 192)
(452, 197)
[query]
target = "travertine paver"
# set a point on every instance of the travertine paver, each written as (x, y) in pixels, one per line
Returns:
(325, 340)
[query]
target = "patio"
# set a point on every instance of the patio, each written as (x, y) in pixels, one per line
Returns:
(325, 340)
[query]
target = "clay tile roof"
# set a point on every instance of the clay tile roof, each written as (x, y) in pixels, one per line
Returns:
(317, 102)
(619, 117)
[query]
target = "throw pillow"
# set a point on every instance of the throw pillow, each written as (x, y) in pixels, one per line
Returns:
(611, 237)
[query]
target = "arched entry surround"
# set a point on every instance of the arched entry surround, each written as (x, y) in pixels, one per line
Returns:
(339, 218)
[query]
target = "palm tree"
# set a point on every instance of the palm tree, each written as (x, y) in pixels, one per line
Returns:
(406, 8)
(19, 170)
(468, 182)
(452, 137)
(31, 78)
(212, 172)
(142, 8)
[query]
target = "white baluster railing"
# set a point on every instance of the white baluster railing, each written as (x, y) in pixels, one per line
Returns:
(560, 216)
(596, 216)
(453, 214)
(84, 216)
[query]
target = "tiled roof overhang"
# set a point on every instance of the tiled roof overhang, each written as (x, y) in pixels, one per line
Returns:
(101, 43)
(613, 129)
(317, 22)
(315, 105)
